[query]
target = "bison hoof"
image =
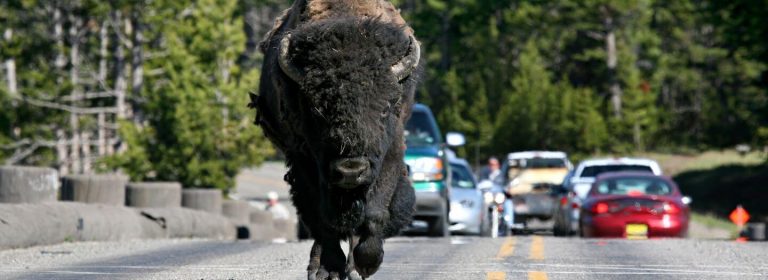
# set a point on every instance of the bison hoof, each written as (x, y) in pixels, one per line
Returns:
(353, 275)
(323, 274)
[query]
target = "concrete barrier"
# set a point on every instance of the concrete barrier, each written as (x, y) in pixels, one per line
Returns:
(103, 188)
(208, 200)
(755, 231)
(260, 217)
(24, 225)
(22, 184)
(285, 229)
(186, 223)
(262, 232)
(237, 211)
(153, 195)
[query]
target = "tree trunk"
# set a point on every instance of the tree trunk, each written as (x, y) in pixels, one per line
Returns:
(102, 135)
(120, 79)
(86, 137)
(614, 86)
(103, 51)
(58, 34)
(10, 67)
(137, 63)
(61, 152)
(74, 57)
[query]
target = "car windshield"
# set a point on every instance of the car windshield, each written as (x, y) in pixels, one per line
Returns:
(462, 177)
(594, 171)
(633, 186)
(544, 163)
(419, 130)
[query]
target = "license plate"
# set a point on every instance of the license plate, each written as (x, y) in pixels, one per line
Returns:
(637, 231)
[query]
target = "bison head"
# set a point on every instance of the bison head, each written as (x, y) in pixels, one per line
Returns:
(351, 80)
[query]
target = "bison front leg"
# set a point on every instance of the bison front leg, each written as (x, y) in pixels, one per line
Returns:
(352, 273)
(383, 222)
(368, 255)
(326, 261)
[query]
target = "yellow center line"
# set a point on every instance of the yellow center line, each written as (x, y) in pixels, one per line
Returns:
(507, 249)
(537, 275)
(537, 248)
(496, 275)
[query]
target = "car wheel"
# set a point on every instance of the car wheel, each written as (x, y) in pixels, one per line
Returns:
(439, 225)
(485, 225)
(558, 231)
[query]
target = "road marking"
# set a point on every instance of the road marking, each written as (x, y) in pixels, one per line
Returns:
(537, 248)
(507, 248)
(537, 275)
(496, 275)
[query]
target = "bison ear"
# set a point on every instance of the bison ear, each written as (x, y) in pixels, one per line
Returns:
(410, 61)
(254, 100)
(285, 60)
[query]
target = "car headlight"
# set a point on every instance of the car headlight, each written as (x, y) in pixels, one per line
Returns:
(499, 198)
(426, 169)
(488, 197)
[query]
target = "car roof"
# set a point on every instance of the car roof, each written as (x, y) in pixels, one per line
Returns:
(452, 159)
(421, 107)
(537, 154)
(620, 160)
(634, 174)
(577, 176)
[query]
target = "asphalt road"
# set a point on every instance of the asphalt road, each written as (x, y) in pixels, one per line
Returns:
(519, 257)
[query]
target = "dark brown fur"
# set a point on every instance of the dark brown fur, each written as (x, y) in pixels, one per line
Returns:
(347, 105)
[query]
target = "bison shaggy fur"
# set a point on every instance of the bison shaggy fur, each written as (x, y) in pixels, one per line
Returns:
(336, 108)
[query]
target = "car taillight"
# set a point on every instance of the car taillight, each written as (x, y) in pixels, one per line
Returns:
(575, 205)
(671, 208)
(600, 208)
(563, 201)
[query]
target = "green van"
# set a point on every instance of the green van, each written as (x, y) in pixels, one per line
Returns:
(427, 162)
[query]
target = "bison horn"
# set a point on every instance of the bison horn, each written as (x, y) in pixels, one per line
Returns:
(285, 61)
(405, 66)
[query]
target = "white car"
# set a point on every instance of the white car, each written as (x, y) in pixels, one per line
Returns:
(584, 174)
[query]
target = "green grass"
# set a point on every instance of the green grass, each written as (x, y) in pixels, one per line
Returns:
(674, 164)
(712, 221)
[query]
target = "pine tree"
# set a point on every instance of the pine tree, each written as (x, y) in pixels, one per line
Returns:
(198, 130)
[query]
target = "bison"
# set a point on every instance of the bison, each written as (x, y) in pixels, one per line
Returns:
(337, 87)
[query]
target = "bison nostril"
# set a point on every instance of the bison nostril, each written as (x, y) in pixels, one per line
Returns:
(350, 166)
(351, 172)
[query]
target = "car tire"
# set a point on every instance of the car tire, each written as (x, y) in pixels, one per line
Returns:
(439, 225)
(558, 231)
(485, 225)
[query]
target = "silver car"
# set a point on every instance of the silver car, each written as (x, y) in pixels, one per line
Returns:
(467, 208)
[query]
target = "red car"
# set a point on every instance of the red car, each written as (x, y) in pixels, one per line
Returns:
(634, 205)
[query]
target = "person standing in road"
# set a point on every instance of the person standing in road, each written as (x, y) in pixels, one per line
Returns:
(278, 210)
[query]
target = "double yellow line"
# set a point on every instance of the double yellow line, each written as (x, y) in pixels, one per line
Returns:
(508, 249)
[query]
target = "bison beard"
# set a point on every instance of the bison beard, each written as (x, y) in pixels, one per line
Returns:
(334, 97)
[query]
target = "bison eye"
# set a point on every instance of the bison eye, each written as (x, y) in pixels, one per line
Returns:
(385, 112)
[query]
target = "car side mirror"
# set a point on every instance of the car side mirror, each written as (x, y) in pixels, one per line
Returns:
(687, 200)
(455, 139)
